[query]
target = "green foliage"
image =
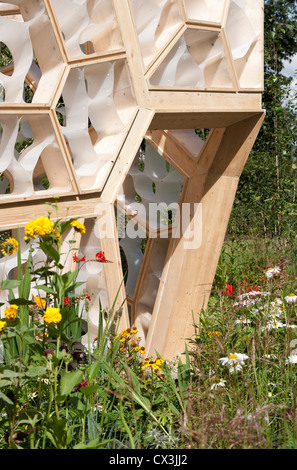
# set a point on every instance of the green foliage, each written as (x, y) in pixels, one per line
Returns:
(56, 392)
(265, 203)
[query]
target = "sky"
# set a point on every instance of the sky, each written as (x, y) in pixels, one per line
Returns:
(291, 68)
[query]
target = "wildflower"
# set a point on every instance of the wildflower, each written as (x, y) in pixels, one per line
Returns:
(243, 321)
(11, 312)
(97, 407)
(40, 302)
(292, 359)
(48, 353)
(67, 301)
(100, 257)
(214, 333)
(52, 315)
(273, 325)
(9, 246)
(272, 272)
(229, 290)
(250, 298)
(78, 260)
(234, 361)
(80, 385)
(291, 299)
(42, 227)
(153, 364)
(78, 227)
(218, 383)
(3, 325)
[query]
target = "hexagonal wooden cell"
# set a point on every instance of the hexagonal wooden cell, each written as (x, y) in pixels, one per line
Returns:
(103, 79)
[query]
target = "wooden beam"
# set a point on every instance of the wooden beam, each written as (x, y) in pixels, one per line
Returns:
(113, 270)
(188, 274)
(134, 56)
(127, 154)
(198, 120)
(191, 101)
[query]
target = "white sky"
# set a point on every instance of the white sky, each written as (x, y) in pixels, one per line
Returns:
(291, 68)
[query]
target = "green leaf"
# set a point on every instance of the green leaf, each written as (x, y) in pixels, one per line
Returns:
(5, 399)
(21, 301)
(12, 373)
(94, 444)
(69, 381)
(36, 371)
(47, 289)
(10, 284)
(87, 391)
(68, 278)
(94, 369)
(50, 251)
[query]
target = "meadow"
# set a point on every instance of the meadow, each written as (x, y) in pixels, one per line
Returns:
(234, 387)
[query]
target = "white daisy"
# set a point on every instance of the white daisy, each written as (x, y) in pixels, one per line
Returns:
(243, 321)
(234, 361)
(273, 325)
(292, 359)
(272, 272)
(219, 383)
(291, 299)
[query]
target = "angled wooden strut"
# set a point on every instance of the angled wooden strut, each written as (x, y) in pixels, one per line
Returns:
(188, 274)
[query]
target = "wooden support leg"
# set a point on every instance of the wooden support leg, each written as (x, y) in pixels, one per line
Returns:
(188, 274)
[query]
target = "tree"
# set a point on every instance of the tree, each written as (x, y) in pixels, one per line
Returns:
(266, 196)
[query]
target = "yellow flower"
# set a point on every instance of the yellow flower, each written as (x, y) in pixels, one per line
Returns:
(3, 325)
(39, 301)
(79, 227)
(154, 364)
(9, 246)
(42, 226)
(214, 333)
(52, 315)
(11, 312)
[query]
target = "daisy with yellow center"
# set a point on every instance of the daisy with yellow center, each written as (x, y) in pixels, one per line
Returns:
(234, 361)
(9, 246)
(78, 227)
(52, 316)
(11, 312)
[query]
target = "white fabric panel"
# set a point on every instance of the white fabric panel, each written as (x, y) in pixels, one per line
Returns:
(134, 256)
(205, 10)
(156, 21)
(15, 35)
(167, 185)
(81, 21)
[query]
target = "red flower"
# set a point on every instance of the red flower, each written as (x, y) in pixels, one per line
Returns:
(48, 351)
(81, 384)
(229, 290)
(67, 301)
(100, 257)
(78, 260)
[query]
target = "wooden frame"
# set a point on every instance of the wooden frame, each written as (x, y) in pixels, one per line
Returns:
(95, 101)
